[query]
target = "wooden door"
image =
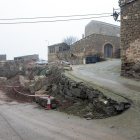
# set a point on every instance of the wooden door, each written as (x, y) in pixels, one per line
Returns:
(108, 50)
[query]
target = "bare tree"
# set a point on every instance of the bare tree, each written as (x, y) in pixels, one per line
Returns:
(70, 40)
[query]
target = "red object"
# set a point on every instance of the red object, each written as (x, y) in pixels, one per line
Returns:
(48, 103)
(16, 86)
(1, 88)
(61, 63)
(70, 65)
(31, 63)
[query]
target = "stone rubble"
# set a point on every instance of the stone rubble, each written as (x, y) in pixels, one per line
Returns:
(68, 95)
(55, 82)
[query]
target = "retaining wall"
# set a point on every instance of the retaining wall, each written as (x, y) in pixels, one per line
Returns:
(59, 83)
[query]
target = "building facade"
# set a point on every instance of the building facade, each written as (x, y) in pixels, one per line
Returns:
(103, 46)
(33, 57)
(98, 27)
(54, 51)
(130, 38)
(2, 57)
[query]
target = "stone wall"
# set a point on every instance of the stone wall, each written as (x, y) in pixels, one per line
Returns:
(79, 97)
(11, 68)
(98, 27)
(61, 48)
(94, 45)
(130, 38)
(66, 56)
(56, 83)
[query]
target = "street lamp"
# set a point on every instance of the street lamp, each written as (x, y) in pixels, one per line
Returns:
(47, 41)
(116, 15)
(48, 44)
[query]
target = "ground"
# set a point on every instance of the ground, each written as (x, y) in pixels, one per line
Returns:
(29, 121)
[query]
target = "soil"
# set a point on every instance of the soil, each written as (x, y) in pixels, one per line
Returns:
(10, 92)
(77, 107)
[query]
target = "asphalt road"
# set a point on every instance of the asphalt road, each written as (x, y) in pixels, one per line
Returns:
(29, 121)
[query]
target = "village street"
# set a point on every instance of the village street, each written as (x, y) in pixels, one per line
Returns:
(29, 121)
(106, 75)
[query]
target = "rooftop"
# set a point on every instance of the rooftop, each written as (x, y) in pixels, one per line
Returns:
(104, 23)
(58, 44)
(25, 55)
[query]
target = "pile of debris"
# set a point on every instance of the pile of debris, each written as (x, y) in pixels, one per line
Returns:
(67, 95)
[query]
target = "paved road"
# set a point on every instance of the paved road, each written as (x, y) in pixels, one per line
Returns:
(107, 75)
(31, 122)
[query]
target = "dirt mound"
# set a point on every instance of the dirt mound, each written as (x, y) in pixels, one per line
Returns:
(10, 91)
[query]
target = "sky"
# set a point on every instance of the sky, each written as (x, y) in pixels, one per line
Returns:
(33, 38)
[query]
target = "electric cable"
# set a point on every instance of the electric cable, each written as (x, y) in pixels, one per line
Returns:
(52, 20)
(55, 16)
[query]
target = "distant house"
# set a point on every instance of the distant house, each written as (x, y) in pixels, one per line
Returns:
(33, 57)
(56, 48)
(2, 57)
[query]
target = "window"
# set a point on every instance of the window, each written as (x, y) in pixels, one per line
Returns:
(60, 49)
(52, 49)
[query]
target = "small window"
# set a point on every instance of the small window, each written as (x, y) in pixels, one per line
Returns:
(60, 49)
(52, 49)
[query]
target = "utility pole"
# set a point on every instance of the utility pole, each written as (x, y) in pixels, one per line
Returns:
(48, 45)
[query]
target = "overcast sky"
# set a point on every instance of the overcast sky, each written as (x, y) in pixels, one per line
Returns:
(26, 39)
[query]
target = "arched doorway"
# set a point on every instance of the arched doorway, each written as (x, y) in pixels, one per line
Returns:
(108, 50)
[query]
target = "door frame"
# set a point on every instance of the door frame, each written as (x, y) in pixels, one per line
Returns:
(113, 49)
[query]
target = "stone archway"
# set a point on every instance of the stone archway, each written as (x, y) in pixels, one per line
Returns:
(108, 51)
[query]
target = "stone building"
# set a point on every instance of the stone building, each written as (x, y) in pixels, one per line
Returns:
(98, 27)
(33, 57)
(101, 39)
(103, 46)
(130, 38)
(2, 57)
(55, 51)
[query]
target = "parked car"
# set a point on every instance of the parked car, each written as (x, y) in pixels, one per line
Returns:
(41, 62)
(65, 62)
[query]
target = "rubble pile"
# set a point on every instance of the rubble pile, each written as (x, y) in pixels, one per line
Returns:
(68, 95)
(11, 68)
(74, 97)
